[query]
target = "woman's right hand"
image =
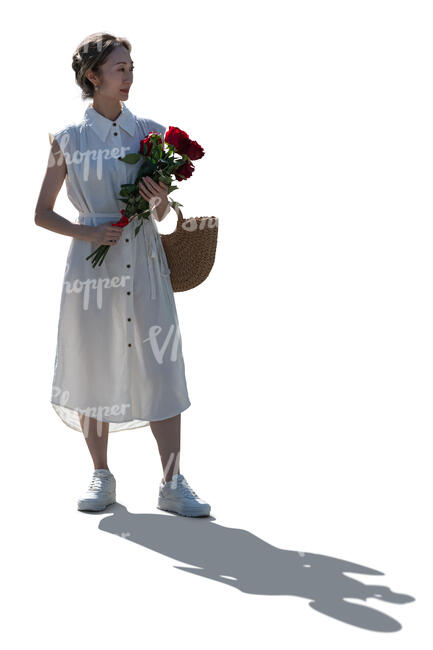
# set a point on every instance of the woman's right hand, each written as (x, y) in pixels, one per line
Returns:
(105, 234)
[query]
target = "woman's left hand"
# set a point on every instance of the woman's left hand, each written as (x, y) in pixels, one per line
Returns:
(150, 190)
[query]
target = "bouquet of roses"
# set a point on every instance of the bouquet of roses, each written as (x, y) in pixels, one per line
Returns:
(162, 161)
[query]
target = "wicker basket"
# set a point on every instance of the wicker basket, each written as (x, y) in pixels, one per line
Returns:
(190, 250)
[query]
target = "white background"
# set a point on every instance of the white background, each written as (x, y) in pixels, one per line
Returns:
(308, 350)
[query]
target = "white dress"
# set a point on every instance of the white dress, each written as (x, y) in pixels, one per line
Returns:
(119, 349)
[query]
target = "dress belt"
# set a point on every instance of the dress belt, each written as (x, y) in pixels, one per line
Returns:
(154, 248)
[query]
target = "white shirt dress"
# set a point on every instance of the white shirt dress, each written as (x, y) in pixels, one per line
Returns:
(119, 349)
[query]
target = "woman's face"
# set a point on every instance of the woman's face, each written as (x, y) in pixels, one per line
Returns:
(116, 75)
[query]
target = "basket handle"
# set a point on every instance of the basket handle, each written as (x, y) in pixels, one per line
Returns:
(178, 211)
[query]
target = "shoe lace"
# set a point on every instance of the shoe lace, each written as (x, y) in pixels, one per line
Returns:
(185, 489)
(97, 482)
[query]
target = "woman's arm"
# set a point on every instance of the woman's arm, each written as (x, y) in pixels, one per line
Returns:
(51, 185)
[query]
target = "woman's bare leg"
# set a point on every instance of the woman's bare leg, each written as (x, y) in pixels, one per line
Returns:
(96, 436)
(167, 434)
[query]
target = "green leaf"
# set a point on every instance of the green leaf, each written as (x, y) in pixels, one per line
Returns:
(165, 179)
(131, 158)
(146, 169)
(127, 189)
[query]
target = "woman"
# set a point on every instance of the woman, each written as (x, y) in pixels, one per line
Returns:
(119, 362)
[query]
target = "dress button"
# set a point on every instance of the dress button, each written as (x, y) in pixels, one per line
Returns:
(114, 123)
(129, 319)
(128, 292)
(129, 345)
(127, 266)
(115, 133)
(126, 239)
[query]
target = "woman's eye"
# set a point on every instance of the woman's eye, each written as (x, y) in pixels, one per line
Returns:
(132, 69)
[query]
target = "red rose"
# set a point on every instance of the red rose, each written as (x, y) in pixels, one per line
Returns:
(123, 221)
(195, 151)
(158, 139)
(147, 143)
(185, 171)
(178, 138)
(145, 146)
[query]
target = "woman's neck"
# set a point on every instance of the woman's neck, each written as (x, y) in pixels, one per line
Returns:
(109, 109)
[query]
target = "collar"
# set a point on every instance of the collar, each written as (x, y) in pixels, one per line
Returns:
(102, 125)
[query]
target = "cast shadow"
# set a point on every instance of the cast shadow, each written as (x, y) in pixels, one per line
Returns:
(242, 560)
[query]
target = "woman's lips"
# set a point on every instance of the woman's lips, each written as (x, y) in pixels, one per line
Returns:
(125, 90)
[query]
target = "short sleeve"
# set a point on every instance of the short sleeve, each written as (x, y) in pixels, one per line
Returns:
(66, 140)
(63, 138)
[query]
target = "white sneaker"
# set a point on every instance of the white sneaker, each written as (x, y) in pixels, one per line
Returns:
(101, 491)
(177, 496)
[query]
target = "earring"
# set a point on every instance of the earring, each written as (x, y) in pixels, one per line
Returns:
(96, 87)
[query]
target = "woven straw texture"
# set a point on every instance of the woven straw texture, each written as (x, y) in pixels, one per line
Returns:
(190, 250)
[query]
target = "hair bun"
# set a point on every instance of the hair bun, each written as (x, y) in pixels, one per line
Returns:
(90, 54)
